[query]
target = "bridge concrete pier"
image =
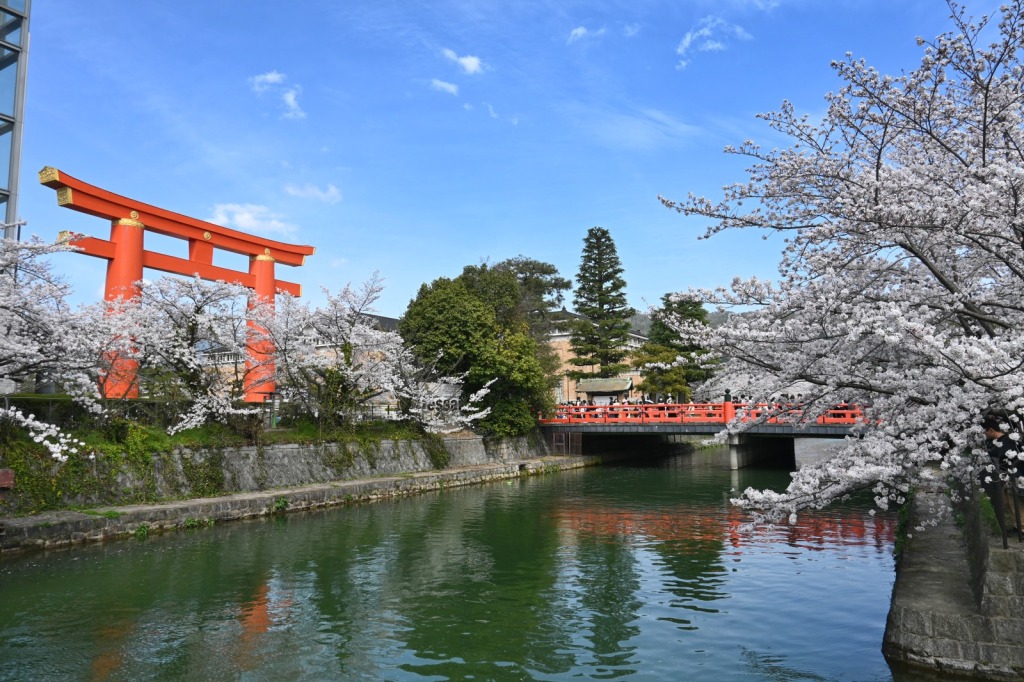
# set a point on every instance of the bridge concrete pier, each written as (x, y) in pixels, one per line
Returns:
(747, 450)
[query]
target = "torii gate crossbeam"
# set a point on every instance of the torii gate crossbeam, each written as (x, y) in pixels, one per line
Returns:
(126, 257)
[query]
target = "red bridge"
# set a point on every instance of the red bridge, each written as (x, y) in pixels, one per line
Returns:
(706, 415)
(770, 436)
(773, 429)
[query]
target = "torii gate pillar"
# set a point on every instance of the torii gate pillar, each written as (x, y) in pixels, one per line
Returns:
(126, 257)
(260, 361)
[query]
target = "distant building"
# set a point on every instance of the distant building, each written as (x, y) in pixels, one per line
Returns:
(620, 387)
(13, 71)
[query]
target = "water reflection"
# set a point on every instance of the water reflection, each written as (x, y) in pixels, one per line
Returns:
(639, 572)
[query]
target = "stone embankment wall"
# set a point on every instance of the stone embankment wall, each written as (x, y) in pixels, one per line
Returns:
(958, 600)
(279, 479)
(248, 469)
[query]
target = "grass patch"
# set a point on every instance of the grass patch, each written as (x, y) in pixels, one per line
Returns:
(105, 513)
(903, 525)
(988, 514)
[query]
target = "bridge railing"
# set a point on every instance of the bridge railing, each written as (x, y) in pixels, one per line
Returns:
(699, 413)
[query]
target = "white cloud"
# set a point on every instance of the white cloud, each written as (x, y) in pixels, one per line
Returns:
(264, 81)
(630, 30)
(290, 97)
(444, 86)
(712, 34)
(331, 195)
(469, 63)
(581, 32)
(491, 111)
(252, 218)
(275, 81)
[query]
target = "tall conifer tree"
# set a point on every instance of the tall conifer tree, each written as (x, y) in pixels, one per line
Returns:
(599, 335)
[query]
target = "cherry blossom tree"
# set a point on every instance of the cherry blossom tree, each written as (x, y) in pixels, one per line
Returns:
(336, 360)
(38, 342)
(902, 280)
(180, 343)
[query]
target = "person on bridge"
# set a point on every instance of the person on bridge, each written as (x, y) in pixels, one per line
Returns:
(1006, 458)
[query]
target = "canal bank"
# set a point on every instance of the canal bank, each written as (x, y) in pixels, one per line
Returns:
(63, 528)
(261, 481)
(958, 599)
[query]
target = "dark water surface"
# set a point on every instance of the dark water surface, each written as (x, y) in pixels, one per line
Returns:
(616, 572)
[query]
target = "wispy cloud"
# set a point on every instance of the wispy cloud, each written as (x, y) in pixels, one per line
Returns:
(640, 129)
(469, 63)
(581, 32)
(712, 34)
(264, 81)
(630, 30)
(276, 82)
(251, 218)
(330, 195)
(444, 86)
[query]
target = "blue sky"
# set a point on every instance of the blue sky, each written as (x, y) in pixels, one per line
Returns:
(415, 138)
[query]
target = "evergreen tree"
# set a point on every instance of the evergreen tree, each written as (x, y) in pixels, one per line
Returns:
(599, 335)
(664, 346)
(540, 301)
(541, 292)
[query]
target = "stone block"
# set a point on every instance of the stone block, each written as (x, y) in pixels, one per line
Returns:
(1008, 630)
(962, 628)
(999, 583)
(917, 622)
(6, 479)
(1001, 656)
(1002, 561)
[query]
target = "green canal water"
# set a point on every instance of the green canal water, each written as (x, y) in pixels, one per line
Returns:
(616, 572)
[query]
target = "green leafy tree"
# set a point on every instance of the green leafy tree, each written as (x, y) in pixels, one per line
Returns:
(540, 301)
(599, 336)
(470, 326)
(656, 359)
(446, 326)
(540, 292)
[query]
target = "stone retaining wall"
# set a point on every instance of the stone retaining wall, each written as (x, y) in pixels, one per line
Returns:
(64, 528)
(958, 600)
(184, 473)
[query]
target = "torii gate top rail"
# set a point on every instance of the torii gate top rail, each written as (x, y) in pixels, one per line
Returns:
(700, 413)
(202, 236)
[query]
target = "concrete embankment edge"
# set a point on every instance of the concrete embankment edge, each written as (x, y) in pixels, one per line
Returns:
(958, 600)
(65, 528)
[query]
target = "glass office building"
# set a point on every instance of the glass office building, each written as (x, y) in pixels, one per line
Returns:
(13, 72)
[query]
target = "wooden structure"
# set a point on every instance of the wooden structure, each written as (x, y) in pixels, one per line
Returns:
(126, 257)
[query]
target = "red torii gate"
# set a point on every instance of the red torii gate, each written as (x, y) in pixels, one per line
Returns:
(126, 257)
